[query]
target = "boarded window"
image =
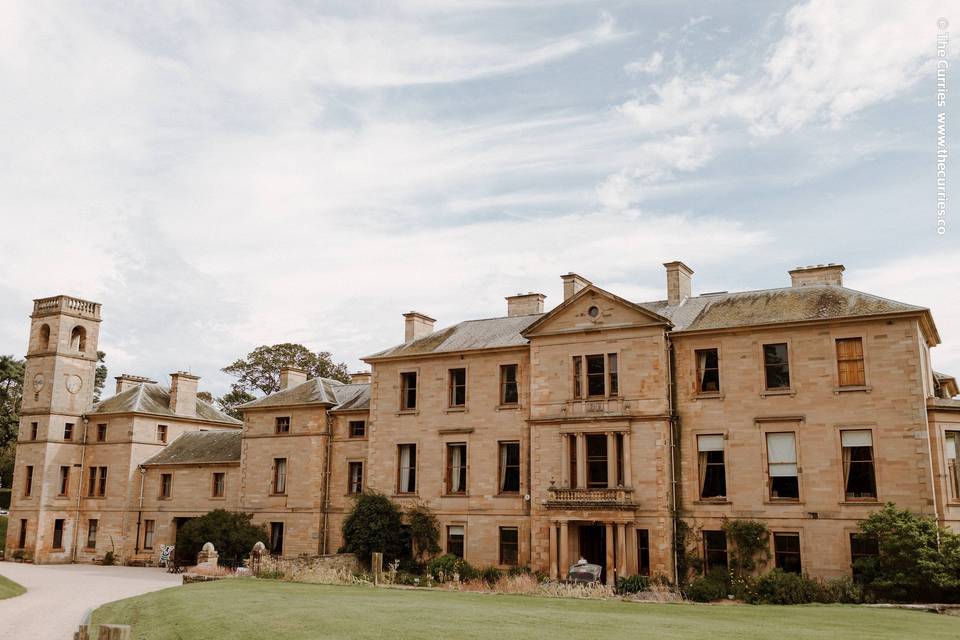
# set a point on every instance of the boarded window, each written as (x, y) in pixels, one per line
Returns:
(458, 387)
(597, 461)
(643, 552)
(408, 391)
(282, 424)
(58, 533)
(786, 552)
(407, 468)
(219, 484)
(711, 467)
(850, 370)
(166, 484)
(776, 366)
(952, 447)
(509, 388)
(859, 476)
(149, 529)
(509, 545)
(358, 429)
(455, 537)
(64, 480)
(782, 466)
(708, 370)
(276, 538)
(279, 476)
(456, 476)
(355, 472)
(92, 525)
(714, 551)
(509, 467)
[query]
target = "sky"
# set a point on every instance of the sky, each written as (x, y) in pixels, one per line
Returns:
(221, 175)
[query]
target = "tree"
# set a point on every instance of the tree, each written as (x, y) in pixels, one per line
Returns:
(917, 561)
(231, 533)
(100, 377)
(11, 394)
(424, 530)
(374, 524)
(206, 396)
(259, 371)
(231, 401)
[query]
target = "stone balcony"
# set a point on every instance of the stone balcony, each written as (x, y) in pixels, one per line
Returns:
(620, 498)
(66, 305)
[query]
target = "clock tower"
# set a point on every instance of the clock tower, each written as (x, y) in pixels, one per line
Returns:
(57, 392)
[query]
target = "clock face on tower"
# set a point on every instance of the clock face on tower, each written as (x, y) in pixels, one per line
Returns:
(38, 382)
(74, 383)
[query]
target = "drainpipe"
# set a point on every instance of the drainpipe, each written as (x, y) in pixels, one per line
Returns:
(674, 455)
(136, 544)
(528, 496)
(76, 518)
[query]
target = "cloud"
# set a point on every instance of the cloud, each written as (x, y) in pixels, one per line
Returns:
(650, 65)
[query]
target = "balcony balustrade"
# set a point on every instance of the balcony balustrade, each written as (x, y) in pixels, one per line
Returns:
(591, 498)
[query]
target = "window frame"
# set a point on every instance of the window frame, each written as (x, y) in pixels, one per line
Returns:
(218, 489)
(463, 539)
(699, 372)
(453, 387)
(845, 473)
(413, 468)
(163, 433)
(166, 486)
(64, 482)
(768, 464)
(281, 425)
(102, 432)
(28, 481)
(102, 482)
(503, 468)
(854, 555)
(702, 469)
(643, 552)
(864, 381)
(351, 433)
(709, 551)
(275, 527)
(589, 377)
(278, 485)
(59, 528)
(149, 533)
(93, 524)
(952, 465)
(767, 367)
(503, 558)
(352, 488)
(68, 429)
(780, 555)
(34, 431)
(22, 535)
(405, 391)
(504, 383)
(463, 470)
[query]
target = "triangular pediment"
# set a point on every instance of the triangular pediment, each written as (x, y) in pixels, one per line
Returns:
(593, 308)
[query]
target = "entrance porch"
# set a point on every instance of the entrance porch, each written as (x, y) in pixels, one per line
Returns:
(612, 544)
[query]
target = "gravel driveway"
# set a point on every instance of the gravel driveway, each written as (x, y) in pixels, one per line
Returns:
(58, 596)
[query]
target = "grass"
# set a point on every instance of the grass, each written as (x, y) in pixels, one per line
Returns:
(10, 589)
(248, 608)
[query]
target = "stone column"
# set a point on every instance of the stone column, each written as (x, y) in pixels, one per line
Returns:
(565, 460)
(627, 467)
(564, 549)
(581, 461)
(610, 566)
(621, 550)
(553, 551)
(611, 459)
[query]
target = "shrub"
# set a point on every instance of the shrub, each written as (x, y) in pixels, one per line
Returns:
(780, 587)
(374, 524)
(109, 559)
(911, 566)
(842, 590)
(490, 575)
(713, 586)
(231, 533)
(750, 540)
(444, 567)
(424, 530)
(632, 584)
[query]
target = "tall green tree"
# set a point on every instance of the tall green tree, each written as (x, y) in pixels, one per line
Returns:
(231, 401)
(259, 371)
(100, 377)
(11, 395)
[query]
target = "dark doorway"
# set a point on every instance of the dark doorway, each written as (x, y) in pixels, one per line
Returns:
(177, 523)
(593, 547)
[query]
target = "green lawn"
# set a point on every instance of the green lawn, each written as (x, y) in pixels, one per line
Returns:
(250, 608)
(9, 588)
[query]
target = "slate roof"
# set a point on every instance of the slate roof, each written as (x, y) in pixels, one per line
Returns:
(200, 447)
(774, 306)
(710, 311)
(322, 391)
(489, 333)
(154, 399)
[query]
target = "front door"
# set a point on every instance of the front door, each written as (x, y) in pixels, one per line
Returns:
(593, 547)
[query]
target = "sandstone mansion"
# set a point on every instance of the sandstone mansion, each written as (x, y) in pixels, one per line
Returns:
(595, 429)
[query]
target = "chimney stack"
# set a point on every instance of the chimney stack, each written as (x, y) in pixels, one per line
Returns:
(831, 274)
(126, 382)
(572, 283)
(679, 282)
(525, 304)
(361, 377)
(291, 377)
(416, 325)
(183, 393)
